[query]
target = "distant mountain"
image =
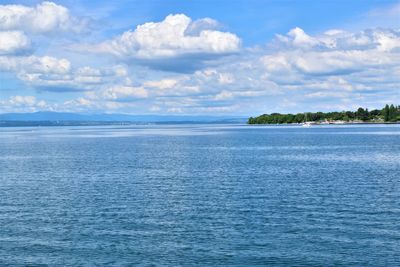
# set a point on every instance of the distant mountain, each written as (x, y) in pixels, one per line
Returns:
(76, 117)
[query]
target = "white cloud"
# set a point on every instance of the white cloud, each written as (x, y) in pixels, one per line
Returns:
(124, 93)
(197, 26)
(38, 70)
(22, 104)
(387, 41)
(171, 87)
(79, 104)
(300, 38)
(226, 78)
(35, 65)
(46, 17)
(46, 64)
(276, 63)
(162, 84)
(55, 74)
(168, 39)
(334, 52)
(382, 39)
(22, 100)
(226, 95)
(172, 44)
(18, 21)
(13, 43)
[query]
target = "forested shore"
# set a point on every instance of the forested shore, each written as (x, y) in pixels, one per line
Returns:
(390, 113)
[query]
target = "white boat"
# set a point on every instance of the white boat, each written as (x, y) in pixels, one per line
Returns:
(306, 123)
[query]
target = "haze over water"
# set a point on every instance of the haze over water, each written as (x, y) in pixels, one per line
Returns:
(206, 195)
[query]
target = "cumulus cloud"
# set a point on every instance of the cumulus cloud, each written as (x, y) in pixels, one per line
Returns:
(35, 65)
(17, 22)
(46, 17)
(23, 104)
(124, 93)
(299, 38)
(55, 74)
(196, 27)
(22, 100)
(226, 95)
(14, 43)
(334, 52)
(173, 44)
(381, 39)
(162, 84)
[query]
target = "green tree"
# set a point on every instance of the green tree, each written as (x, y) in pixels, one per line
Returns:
(392, 113)
(386, 113)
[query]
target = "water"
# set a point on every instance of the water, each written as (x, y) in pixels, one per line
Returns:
(205, 195)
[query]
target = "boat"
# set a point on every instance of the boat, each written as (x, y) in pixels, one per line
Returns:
(306, 123)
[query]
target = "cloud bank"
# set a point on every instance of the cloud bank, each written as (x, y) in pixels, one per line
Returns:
(180, 65)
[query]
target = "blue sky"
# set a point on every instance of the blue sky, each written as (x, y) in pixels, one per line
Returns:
(198, 57)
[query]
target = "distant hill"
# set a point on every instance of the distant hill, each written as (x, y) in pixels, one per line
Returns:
(76, 117)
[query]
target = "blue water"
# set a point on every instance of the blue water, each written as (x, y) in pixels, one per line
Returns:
(205, 195)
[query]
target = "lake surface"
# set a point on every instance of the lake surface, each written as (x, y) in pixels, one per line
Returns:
(205, 195)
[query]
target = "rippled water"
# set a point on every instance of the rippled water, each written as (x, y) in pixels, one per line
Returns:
(200, 195)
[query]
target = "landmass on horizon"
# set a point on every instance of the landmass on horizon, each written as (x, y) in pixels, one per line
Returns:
(389, 114)
(48, 118)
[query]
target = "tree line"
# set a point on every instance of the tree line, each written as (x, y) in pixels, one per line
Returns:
(387, 114)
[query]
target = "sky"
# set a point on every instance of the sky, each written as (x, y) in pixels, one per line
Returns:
(198, 57)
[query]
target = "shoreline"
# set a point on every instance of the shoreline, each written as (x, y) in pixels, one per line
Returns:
(318, 123)
(8, 124)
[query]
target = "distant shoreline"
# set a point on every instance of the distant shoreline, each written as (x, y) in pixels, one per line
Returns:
(99, 123)
(324, 124)
(388, 114)
(119, 123)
